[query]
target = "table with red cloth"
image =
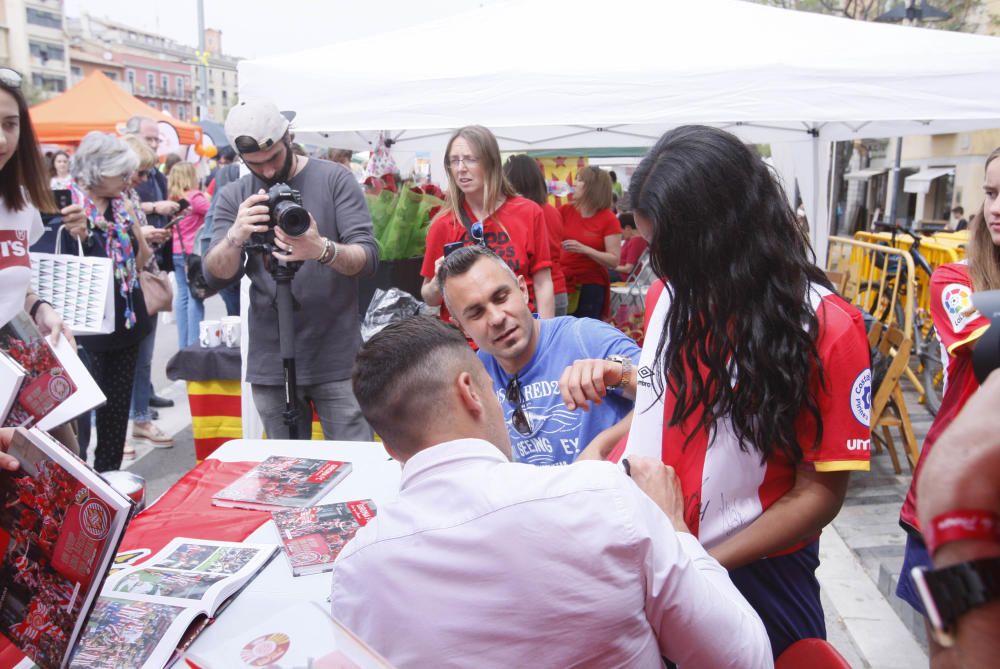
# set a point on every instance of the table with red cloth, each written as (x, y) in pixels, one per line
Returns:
(186, 510)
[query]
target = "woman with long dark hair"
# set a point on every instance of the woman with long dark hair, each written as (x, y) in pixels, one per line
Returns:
(959, 326)
(753, 382)
(526, 177)
(483, 208)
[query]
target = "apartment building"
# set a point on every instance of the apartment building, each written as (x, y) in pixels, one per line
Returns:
(33, 42)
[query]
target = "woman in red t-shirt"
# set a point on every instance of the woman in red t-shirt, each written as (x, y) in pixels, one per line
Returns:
(525, 175)
(592, 243)
(513, 227)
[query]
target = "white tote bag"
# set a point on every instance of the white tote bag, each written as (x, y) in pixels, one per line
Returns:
(80, 288)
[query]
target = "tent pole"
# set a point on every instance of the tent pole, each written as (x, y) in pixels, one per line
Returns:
(894, 195)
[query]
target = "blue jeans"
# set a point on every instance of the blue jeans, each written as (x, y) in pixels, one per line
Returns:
(189, 311)
(142, 388)
(591, 303)
(231, 297)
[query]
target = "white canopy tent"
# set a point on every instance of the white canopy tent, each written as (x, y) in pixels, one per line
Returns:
(543, 75)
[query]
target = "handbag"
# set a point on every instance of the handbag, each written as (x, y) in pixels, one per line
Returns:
(157, 288)
(197, 285)
(80, 287)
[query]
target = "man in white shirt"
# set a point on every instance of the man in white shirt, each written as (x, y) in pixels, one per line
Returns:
(488, 563)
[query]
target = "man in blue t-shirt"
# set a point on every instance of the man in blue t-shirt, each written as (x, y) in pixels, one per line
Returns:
(527, 358)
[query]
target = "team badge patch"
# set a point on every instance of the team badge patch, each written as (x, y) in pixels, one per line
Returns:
(861, 398)
(956, 299)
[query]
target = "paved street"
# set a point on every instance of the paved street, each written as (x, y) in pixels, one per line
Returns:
(861, 552)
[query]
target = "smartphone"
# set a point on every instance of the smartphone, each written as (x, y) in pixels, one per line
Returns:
(451, 248)
(172, 222)
(63, 198)
(183, 203)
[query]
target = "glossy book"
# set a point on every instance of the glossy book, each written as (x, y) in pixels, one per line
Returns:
(313, 537)
(280, 482)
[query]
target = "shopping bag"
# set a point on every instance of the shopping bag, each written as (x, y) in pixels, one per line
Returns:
(80, 288)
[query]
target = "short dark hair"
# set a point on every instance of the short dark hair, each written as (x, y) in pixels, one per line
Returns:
(462, 260)
(524, 174)
(627, 220)
(400, 374)
(227, 153)
(958, 210)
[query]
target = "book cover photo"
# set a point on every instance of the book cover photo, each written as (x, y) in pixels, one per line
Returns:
(60, 526)
(312, 538)
(46, 385)
(281, 481)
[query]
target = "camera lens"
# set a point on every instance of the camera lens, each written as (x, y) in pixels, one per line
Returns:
(291, 218)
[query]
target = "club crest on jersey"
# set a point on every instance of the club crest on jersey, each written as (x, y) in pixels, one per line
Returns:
(956, 299)
(861, 397)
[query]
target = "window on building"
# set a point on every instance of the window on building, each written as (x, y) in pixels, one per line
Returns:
(110, 74)
(225, 98)
(46, 54)
(150, 82)
(130, 78)
(166, 107)
(180, 87)
(40, 17)
(48, 83)
(165, 84)
(211, 96)
(182, 113)
(223, 78)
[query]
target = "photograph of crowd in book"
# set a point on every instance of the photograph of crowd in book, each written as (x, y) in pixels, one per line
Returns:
(123, 633)
(40, 575)
(165, 583)
(198, 557)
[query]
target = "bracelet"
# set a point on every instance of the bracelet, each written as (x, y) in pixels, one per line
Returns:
(231, 241)
(34, 307)
(333, 256)
(324, 257)
(962, 524)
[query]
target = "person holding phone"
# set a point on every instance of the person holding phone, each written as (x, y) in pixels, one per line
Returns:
(183, 189)
(59, 177)
(481, 200)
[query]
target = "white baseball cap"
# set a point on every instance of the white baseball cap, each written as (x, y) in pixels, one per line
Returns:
(256, 125)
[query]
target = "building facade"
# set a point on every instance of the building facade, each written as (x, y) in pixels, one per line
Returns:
(33, 42)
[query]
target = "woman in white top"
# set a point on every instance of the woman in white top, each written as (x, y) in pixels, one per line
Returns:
(59, 170)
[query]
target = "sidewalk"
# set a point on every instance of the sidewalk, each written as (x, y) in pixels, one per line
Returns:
(861, 551)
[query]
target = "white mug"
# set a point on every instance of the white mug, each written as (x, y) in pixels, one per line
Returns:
(210, 334)
(231, 331)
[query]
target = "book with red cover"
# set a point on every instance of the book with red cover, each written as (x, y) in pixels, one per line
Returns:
(60, 525)
(46, 384)
(313, 537)
(281, 481)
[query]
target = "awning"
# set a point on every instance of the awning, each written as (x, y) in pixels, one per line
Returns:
(865, 174)
(921, 181)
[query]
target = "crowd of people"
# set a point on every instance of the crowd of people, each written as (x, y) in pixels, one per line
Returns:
(567, 495)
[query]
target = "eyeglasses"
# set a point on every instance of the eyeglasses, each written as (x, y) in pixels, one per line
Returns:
(10, 77)
(476, 230)
(456, 161)
(516, 398)
(248, 144)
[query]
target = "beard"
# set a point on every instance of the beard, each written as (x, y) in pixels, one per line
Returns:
(281, 176)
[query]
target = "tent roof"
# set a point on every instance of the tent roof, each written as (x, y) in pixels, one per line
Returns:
(97, 103)
(545, 75)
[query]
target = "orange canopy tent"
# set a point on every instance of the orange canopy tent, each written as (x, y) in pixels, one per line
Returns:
(97, 103)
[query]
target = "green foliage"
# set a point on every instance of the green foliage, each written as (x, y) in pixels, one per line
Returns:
(964, 13)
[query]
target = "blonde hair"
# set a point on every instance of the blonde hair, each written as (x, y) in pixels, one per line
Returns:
(181, 179)
(596, 191)
(495, 184)
(984, 255)
(147, 159)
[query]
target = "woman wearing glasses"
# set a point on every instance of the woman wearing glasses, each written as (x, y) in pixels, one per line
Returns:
(483, 208)
(753, 380)
(102, 170)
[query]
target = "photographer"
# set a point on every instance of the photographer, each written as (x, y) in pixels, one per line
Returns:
(337, 247)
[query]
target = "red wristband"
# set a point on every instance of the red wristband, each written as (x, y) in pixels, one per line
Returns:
(962, 524)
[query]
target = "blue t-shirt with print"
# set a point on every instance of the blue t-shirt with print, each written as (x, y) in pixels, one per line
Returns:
(557, 434)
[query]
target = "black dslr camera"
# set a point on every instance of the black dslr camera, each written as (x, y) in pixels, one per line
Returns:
(287, 212)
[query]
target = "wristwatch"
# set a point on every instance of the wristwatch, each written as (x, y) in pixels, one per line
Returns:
(626, 363)
(950, 592)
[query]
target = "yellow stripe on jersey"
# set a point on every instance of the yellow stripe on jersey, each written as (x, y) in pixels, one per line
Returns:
(972, 337)
(843, 466)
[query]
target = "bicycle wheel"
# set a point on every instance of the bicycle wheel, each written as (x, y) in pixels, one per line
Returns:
(932, 372)
(879, 307)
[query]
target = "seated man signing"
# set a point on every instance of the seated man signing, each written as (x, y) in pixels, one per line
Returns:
(481, 562)
(526, 357)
